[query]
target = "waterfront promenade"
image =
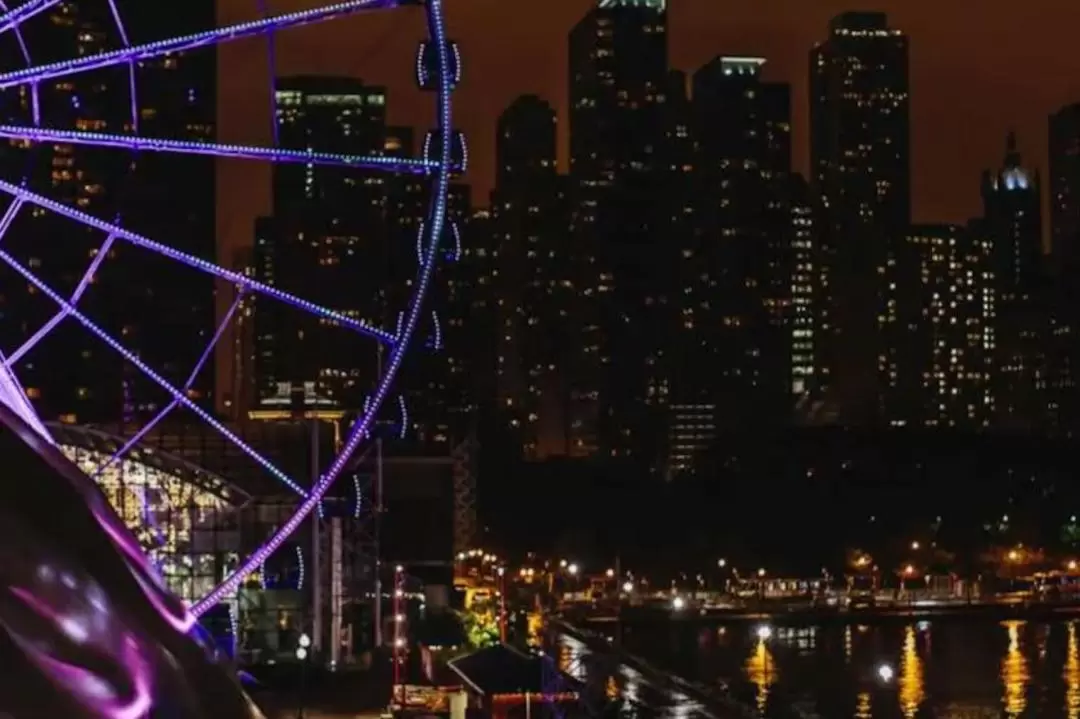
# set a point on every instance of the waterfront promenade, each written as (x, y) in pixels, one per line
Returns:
(804, 613)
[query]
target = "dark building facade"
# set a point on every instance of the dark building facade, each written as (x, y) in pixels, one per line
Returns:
(861, 170)
(529, 217)
(1064, 181)
(158, 309)
(743, 131)
(324, 242)
(618, 85)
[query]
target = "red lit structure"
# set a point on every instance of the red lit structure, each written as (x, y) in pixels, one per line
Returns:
(504, 682)
(401, 649)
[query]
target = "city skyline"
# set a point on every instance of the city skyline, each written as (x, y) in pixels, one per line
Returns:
(958, 127)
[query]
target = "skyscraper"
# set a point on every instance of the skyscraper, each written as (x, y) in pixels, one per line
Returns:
(952, 349)
(1064, 154)
(530, 224)
(1012, 219)
(861, 169)
(618, 85)
(743, 130)
(323, 243)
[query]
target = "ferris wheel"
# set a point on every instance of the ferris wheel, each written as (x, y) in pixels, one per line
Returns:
(437, 70)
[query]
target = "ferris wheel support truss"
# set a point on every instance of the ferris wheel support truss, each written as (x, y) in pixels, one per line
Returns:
(438, 70)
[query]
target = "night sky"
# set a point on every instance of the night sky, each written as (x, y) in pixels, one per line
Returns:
(978, 68)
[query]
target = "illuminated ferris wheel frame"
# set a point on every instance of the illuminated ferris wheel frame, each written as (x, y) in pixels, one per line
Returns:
(438, 70)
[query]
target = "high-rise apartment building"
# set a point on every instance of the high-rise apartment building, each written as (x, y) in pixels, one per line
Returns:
(322, 243)
(536, 345)
(1064, 345)
(952, 347)
(802, 262)
(160, 310)
(861, 170)
(619, 84)
(1064, 154)
(743, 131)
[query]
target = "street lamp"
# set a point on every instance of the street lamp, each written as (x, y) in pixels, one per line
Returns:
(722, 563)
(885, 673)
(302, 654)
(572, 569)
(678, 603)
(764, 632)
(628, 587)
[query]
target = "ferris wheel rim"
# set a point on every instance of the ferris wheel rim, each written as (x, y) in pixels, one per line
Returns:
(438, 170)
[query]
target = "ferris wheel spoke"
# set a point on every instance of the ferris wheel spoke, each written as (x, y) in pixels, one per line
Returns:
(360, 429)
(12, 19)
(360, 326)
(18, 35)
(245, 152)
(149, 426)
(146, 51)
(180, 397)
(62, 314)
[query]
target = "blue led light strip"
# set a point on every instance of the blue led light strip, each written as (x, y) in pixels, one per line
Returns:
(195, 262)
(186, 147)
(158, 48)
(150, 373)
(12, 19)
(360, 430)
(61, 314)
(225, 322)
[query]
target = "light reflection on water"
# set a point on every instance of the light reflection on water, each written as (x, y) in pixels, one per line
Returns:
(943, 670)
(911, 689)
(761, 671)
(1014, 673)
(1071, 674)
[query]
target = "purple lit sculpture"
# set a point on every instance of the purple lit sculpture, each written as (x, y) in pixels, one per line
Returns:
(86, 628)
(82, 614)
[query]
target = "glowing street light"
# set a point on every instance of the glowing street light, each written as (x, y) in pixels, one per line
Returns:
(1014, 556)
(610, 573)
(1072, 565)
(301, 653)
(628, 587)
(885, 673)
(909, 570)
(722, 563)
(304, 641)
(914, 546)
(761, 572)
(572, 568)
(764, 632)
(678, 603)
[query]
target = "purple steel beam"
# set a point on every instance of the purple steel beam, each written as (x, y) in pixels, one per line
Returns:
(149, 426)
(195, 262)
(246, 152)
(60, 315)
(133, 95)
(360, 429)
(151, 374)
(158, 48)
(12, 19)
(9, 216)
(18, 36)
(226, 320)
